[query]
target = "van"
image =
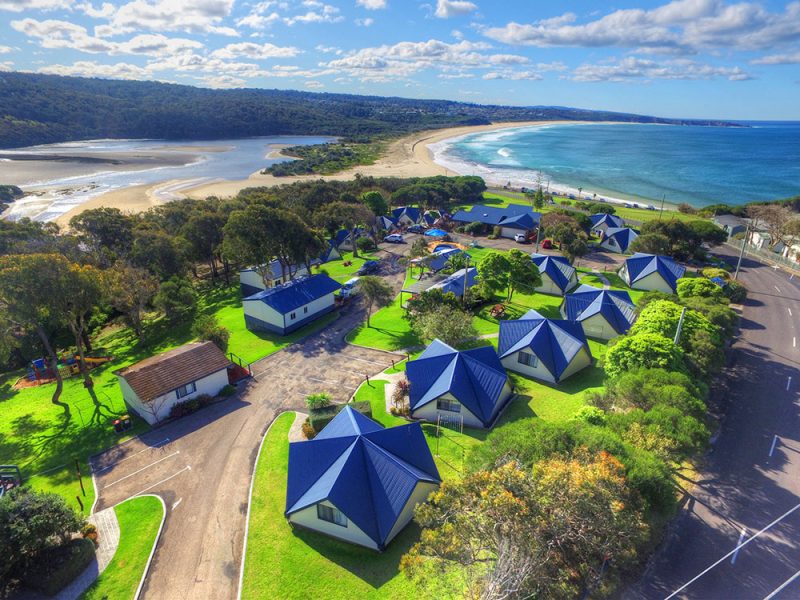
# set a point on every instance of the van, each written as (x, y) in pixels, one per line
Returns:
(348, 288)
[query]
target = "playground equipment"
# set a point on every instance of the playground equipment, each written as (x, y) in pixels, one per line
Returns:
(40, 371)
(10, 477)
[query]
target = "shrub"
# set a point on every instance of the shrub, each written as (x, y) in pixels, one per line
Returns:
(89, 532)
(736, 292)
(474, 228)
(317, 401)
(177, 299)
(308, 430)
(204, 400)
(187, 407)
(643, 350)
(711, 272)
(697, 287)
(58, 567)
(600, 207)
(687, 208)
(400, 392)
(227, 391)
(205, 327)
(591, 415)
(645, 388)
(365, 244)
(319, 417)
(662, 317)
(497, 231)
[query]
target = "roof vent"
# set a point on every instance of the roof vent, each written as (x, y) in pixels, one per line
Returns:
(485, 214)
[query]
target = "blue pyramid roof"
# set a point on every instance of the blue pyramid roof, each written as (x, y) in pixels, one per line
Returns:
(385, 222)
(476, 378)
(609, 220)
(554, 342)
(622, 235)
(412, 212)
(641, 265)
(615, 306)
(438, 260)
(296, 293)
(556, 267)
(366, 471)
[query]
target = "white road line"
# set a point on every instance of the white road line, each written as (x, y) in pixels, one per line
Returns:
(782, 586)
(790, 311)
(142, 469)
(150, 487)
(321, 380)
(788, 383)
(777, 289)
(794, 342)
(738, 545)
(372, 362)
(754, 536)
(772, 448)
(155, 446)
(175, 504)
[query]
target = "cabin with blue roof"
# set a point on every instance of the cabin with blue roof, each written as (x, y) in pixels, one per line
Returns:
(287, 307)
(386, 223)
(512, 219)
(547, 349)
(436, 261)
(456, 283)
(469, 385)
(652, 272)
(558, 276)
(252, 280)
(343, 240)
(405, 216)
(602, 221)
(603, 314)
(618, 239)
(359, 482)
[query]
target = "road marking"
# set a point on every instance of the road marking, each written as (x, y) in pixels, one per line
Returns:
(742, 545)
(738, 545)
(372, 362)
(794, 342)
(777, 289)
(772, 448)
(321, 380)
(150, 487)
(788, 383)
(142, 469)
(155, 446)
(175, 504)
(782, 586)
(790, 311)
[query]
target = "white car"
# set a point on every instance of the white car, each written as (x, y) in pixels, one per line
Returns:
(520, 238)
(348, 288)
(394, 238)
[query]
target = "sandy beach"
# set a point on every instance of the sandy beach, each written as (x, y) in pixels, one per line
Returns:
(130, 200)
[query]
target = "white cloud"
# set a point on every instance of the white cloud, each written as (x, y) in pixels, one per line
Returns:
(632, 68)
(513, 75)
(255, 51)
(778, 59)
(6, 66)
(105, 11)
(325, 13)
(194, 16)
(23, 5)
(6, 49)
(314, 85)
(364, 22)
(94, 69)
(255, 21)
(372, 4)
(678, 26)
(453, 8)
(223, 81)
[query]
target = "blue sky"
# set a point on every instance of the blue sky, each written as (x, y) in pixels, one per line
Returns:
(685, 58)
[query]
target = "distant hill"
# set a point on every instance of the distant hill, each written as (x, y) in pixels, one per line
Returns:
(39, 109)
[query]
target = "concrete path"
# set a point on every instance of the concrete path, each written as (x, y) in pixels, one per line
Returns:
(603, 278)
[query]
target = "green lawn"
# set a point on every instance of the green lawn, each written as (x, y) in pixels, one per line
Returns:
(139, 519)
(287, 563)
(336, 269)
(614, 280)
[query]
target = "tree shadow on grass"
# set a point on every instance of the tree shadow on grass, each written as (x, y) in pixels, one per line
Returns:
(374, 568)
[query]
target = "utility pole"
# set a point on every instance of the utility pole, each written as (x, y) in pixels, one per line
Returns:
(680, 326)
(466, 276)
(663, 197)
(741, 254)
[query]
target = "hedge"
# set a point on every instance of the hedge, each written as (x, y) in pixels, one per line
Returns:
(319, 417)
(58, 567)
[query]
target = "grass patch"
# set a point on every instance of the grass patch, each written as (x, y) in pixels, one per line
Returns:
(283, 562)
(614, 280)
(139, 520)
(337, 270)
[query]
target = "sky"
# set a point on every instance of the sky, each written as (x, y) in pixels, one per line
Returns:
(684, 59)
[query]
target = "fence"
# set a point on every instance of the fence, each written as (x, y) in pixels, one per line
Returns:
(767, 256)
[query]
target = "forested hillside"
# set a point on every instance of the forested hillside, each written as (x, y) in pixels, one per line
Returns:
(37, 109)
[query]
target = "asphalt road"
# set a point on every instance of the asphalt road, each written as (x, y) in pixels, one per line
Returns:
(752, 476)
(201, 465)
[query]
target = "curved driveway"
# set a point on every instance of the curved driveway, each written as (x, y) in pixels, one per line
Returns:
(752, 476)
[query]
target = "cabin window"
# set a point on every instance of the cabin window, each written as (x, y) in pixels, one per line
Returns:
(331, 514)
(293, 316)
(185, 390)
(526, 358)
(448, 405)
(305, 310)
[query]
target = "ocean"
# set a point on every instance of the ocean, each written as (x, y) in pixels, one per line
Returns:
(697, 165)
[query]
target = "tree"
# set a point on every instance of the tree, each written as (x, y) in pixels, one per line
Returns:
(206, 328)
(643, 350)
(523, 274)
(699, 287)
(493, 270)
(774, 218)
(161, 253)
(601, 207)
(662, 317)
(646, 388)
(375, 201)
(130, 290)
(343, 215)
(106, 231)
(203, 232)
(651, 243)
(376, 292)
(683, 241)
(177, 298)
(30, 523)
(428, 301)
(451, 325)
(244, 240)
(708, 233)
(456, 262)
(81, 291)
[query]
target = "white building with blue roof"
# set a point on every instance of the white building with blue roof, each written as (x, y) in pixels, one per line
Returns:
(547, 349)
(359, 482)
(558, 276)
(618, 239)
(471, 385)
(287, 307)
(512, 219)
(252, 281)
(602, 221)
(652, 272)
(405, 216)
(603, 314)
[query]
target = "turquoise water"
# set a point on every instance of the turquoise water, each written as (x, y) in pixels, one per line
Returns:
(698, 165)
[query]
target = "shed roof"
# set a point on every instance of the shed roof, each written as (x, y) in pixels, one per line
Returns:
(554, 342)
(615, 306)
(476, 378)
(641, 265)
(155, 376)
(296, 293)
(366, 471)
(622, 235)
(556, 267)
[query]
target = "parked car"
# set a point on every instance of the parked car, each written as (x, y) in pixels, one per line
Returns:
(650, 207)
(394, 238)
(371, 266)
(628, 205)
(547, 245)
(520, 238)
(635, 205)
(416, 229)
(348, 288)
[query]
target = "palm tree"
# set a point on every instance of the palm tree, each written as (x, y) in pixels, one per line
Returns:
(375, 291)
